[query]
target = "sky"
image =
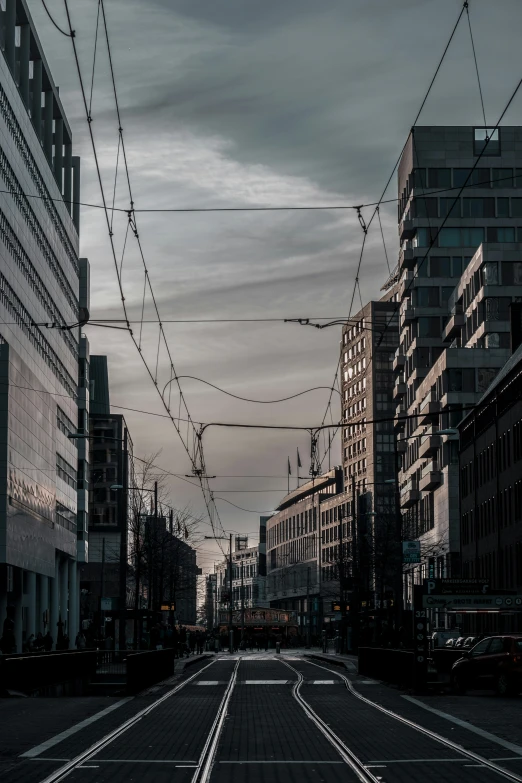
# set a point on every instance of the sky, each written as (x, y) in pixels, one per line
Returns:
(236, 103)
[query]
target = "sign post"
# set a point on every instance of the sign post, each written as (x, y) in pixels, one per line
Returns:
(411, 552)
(420, 640)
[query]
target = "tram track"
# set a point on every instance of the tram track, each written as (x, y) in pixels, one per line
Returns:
(455, 747)
(87, 755)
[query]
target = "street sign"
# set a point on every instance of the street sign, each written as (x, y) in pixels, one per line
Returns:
(457, 586)
(473, 602)
(411, 552)
(168, 607)
(338, 607)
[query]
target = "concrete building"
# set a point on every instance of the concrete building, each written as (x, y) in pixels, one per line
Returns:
(369, 343)
(248, 579)
(110, 465)
(449, 353)
(491, 493)
(301, 541)
(39, 284)
(211, 618)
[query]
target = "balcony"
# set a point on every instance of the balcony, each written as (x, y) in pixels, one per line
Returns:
(407, 230)
(429, 445)
(399, 390)
(453, 327)
(431, 477)
(399, 362)
(400, 415)
(428, 408)
(406, 281)
(409, 494)
(407, 313)
(406, 258)
(402, 445)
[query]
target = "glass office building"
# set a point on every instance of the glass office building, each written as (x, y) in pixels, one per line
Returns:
(42, 283)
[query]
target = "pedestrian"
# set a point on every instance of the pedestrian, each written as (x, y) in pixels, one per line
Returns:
(48, 642)
(80, 641)
(39, 642)
(192, 643)
(29, 645)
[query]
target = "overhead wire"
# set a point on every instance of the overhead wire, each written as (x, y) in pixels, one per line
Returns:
(476, 63)
(365, 226)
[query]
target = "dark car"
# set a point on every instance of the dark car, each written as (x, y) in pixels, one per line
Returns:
(495, 662)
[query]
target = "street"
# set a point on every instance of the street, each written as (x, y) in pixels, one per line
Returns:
(261, 716)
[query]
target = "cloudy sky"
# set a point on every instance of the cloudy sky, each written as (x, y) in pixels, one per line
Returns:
(238, 103)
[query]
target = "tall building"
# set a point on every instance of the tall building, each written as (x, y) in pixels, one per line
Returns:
(211, 616)
(491, 494)
(248, 579)
(452, 342)
(302, 537)
(110, 473)
(39, 284)
(369, 343)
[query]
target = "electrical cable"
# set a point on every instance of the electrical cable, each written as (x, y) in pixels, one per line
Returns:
(466, 5)
(247, 399)
(67, 35)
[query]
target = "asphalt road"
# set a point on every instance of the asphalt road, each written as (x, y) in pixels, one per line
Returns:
(264, 717)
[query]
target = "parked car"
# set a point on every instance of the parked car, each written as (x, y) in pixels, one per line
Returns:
(460, 641)
(450, 643)
(494, 662)
(470, 642)
(441, 636)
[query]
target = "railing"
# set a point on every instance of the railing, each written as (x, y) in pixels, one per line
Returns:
(31, 673)
(111, 661)
(431, 467)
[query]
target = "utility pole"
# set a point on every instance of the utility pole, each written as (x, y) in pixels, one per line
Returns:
(342, 583)
(102, 590)
(354, 602)
(230, 604)
(308, 607)
(242, 604)
(124, 525)
(398, 533)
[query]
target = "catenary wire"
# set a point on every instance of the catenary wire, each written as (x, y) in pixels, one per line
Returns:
(247, 399)
(63, 32)
(466, 5)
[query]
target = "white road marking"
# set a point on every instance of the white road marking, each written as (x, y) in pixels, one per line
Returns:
(321, 682)
(469, 726)
(146, 761)
(207, 682)
(46, 758)
(266, 682)
(367, 682)
(282, 761)
(29, 754)
(418, 761)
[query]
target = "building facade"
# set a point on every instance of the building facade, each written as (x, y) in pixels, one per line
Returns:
(302, 538)
(448, 352)
(491, 493)
(39, 284)
(248, 579)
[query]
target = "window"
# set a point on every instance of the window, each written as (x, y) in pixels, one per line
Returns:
(429, 327)
(502, 178)
(65, 471)
(506, 234)
(65, 518)
(503, 207)
(450, 207)
(466, 237)
(426, 297)
(516, 205)
(496, 646)
(478, 207)
(486, 141)
(476, 177)
(63, 422)
(439, 178)
(424, 207)
(480, 648)
(440, 266)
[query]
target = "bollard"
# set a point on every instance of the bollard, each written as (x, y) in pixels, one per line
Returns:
(278, 647)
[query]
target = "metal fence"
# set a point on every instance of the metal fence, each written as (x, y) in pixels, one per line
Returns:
(32, 673)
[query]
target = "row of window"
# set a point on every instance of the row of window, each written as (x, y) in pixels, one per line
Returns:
(355, 350)
(457, 178)
(356, 369)
(355, 409)
(24, 263)
(356, 468)
(492, 460)
(23, 319)
(65, 471)
(497, 512)
(24, 150)
(292, 527)
(351, 334)
(34, 225)
(63, 422)
(356, 389)
(65, 517)
(465, 236)
(503, 566)
(478, 207)
(355, 429)
(356, 449)
(329, 534)
(298, 551)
